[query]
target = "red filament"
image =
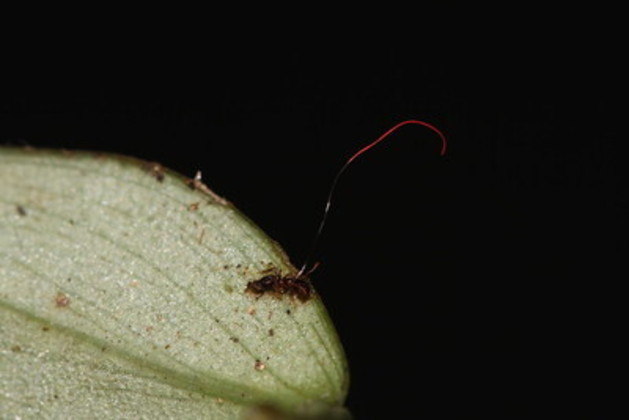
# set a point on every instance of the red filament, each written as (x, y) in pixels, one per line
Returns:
(444, 142)
(444, 145)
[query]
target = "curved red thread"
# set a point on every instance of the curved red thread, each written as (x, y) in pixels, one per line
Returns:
(328, 202)
(444, 142)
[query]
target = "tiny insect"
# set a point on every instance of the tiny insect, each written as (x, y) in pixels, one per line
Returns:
(275, 284)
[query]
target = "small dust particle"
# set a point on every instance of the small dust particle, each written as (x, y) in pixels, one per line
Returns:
(195, 183)
(193, 206)
(16, 349)
(167, 346)
(45, 328)
(155, 170)
(149, 328)
(134, 283)
(271, 332)
(258, 365)
(251, 310)
(225, 267)
(219, 400)
(20, 210)
(62, 300)
(234, 339)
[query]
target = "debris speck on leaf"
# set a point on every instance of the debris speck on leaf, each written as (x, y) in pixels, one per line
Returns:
(155, 170)
(20, 210)
(62, 300)
(259, 365)
(197, 184)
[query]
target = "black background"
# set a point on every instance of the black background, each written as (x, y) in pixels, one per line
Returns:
(481, 283)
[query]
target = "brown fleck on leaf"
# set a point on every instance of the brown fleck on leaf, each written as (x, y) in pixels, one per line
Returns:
(155, 170)
(62, 300)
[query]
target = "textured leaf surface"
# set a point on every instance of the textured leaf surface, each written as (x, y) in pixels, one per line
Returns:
(122, 294)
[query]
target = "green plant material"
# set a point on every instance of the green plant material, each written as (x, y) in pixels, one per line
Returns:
(122, 294)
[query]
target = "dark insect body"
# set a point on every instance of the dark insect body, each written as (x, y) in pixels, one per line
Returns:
(274, 284)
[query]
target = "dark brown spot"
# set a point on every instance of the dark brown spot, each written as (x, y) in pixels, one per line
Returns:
(45, 328)
(288, 312)
(55, 396)
(271, 332)
(62, 300)
(258, 365)
(193, 207)
(167, 346)
(16, 349)
(20, 210)
(234, 339)
(155, 170)
(298, 287)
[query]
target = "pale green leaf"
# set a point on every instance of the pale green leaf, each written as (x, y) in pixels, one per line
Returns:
(122, 294)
